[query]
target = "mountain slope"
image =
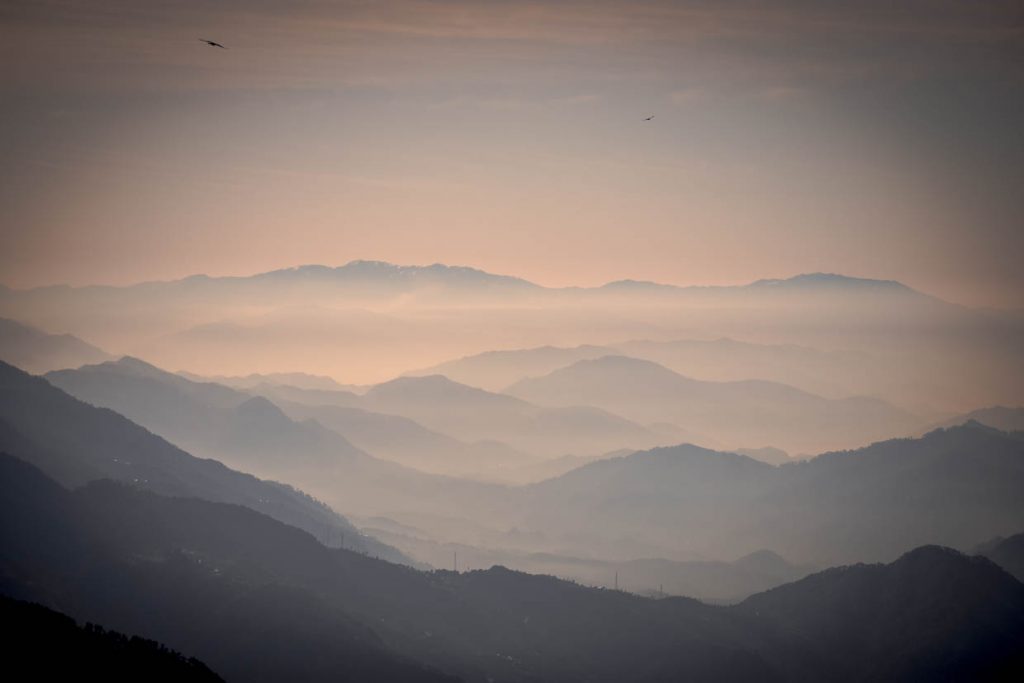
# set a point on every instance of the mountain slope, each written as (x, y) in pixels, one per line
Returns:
(221, 581)
(35, 351)
(75, 443)
(320, 614)
(950, 487)
(206, 418)
(252, 434)
(953, 617)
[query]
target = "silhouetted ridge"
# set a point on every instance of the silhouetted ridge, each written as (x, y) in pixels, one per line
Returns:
(933, 614)
(52, 646)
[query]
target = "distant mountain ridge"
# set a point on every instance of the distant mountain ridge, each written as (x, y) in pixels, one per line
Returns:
(383, 272)
(354, 272)
(830, 280)
(366, 322)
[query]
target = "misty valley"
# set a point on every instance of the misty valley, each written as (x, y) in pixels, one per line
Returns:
(385, 473)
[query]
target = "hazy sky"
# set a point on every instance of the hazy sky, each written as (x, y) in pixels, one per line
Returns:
(876, 139)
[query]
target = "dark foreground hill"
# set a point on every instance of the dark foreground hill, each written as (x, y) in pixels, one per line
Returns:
(934, 614)
(259, 600)
(47, 645)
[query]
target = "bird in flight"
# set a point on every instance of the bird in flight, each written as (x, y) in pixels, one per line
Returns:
(649, 117)
(211, 43)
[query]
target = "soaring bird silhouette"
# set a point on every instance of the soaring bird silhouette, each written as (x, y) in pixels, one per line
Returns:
(211, 43)
(649, 117)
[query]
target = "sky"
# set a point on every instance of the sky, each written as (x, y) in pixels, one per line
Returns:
(874, 139)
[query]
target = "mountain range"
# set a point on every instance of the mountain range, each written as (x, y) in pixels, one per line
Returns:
(749, 413)
(831, 373)
(402, 440)
(404, 278)
(259, 600)
(679, 503)
(254, 435)
(226, 423)
(866, 504)
(75, 443)
(248, 576)
(365, 322)
(474, 414)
